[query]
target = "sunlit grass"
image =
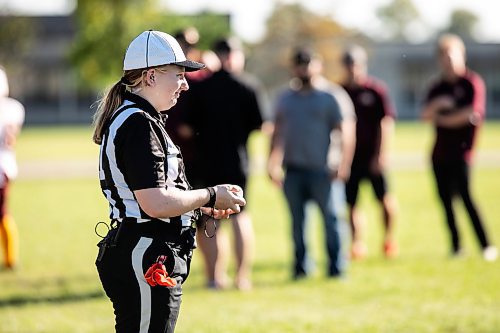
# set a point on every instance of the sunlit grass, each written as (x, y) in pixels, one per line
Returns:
(56, 288)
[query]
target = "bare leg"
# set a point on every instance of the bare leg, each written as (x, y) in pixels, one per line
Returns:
(244, 247)
(358, 248)
(215, 261)
(389, 207)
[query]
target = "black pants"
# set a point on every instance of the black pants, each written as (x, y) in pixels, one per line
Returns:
(131, 249)
(453, 178)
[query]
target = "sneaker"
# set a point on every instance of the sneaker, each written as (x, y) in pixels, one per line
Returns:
(391, 249)
(490, 253)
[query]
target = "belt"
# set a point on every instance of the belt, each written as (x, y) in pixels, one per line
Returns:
(156, 229)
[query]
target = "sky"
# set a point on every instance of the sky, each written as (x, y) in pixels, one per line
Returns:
(249, 17)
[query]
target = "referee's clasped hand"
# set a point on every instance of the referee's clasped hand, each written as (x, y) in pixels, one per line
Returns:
(229, 197)
(218, 214)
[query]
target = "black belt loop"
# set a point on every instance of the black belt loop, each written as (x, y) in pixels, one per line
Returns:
(115, 224)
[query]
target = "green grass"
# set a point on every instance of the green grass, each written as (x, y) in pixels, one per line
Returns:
(56, 288)
(48, 143)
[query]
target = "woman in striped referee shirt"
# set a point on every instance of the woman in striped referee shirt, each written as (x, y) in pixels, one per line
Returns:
(145, 257)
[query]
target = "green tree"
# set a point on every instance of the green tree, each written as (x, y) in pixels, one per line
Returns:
(210, 26)
(105, 28)
(462, 23)
(399, 16)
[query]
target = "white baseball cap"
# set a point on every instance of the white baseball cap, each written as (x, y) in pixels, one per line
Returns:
(155, 48)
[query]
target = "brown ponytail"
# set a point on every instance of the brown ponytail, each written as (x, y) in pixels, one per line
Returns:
(112, 100)
(107, 105)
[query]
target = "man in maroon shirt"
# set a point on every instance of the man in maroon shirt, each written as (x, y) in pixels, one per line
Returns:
(375, 124)
(455, 104)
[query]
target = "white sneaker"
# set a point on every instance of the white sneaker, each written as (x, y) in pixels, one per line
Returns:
(490, 253)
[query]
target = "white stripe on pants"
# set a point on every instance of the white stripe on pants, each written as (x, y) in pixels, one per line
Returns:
(145, 289)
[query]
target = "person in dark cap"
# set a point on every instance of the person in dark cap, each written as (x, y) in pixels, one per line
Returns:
(226, 102)
(308, 115)
(227, 45)
(375, 116)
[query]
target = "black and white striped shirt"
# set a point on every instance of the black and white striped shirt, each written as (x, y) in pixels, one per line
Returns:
(137, 153)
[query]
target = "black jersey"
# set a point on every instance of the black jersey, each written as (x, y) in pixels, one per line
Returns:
(137, 153)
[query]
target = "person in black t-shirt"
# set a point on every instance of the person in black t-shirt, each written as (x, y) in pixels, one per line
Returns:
(223, 110)
(174, 123)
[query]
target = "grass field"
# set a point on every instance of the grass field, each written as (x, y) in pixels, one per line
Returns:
(56, 288)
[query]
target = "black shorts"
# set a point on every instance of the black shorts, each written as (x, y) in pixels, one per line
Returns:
(378, 181)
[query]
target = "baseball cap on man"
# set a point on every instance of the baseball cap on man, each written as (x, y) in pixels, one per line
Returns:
(226, 45)
(302, 56)
(155, 48)
(355, 54)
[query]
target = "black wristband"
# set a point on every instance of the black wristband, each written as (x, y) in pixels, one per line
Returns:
(211, 201)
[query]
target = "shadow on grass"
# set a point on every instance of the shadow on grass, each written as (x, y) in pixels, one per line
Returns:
(20, 289)
(28, 300)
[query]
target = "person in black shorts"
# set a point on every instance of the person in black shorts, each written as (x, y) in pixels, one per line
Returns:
(145, 257)
(456, 105)
(374, 128)
(222, 111)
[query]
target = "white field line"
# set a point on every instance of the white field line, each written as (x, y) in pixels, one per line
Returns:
(41, 169)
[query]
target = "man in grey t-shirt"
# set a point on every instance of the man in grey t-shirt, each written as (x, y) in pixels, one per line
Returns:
(308, 114)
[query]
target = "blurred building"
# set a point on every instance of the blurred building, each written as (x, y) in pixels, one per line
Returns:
(47, 84)
(44, 80)
(42, 75)
(407, 69)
